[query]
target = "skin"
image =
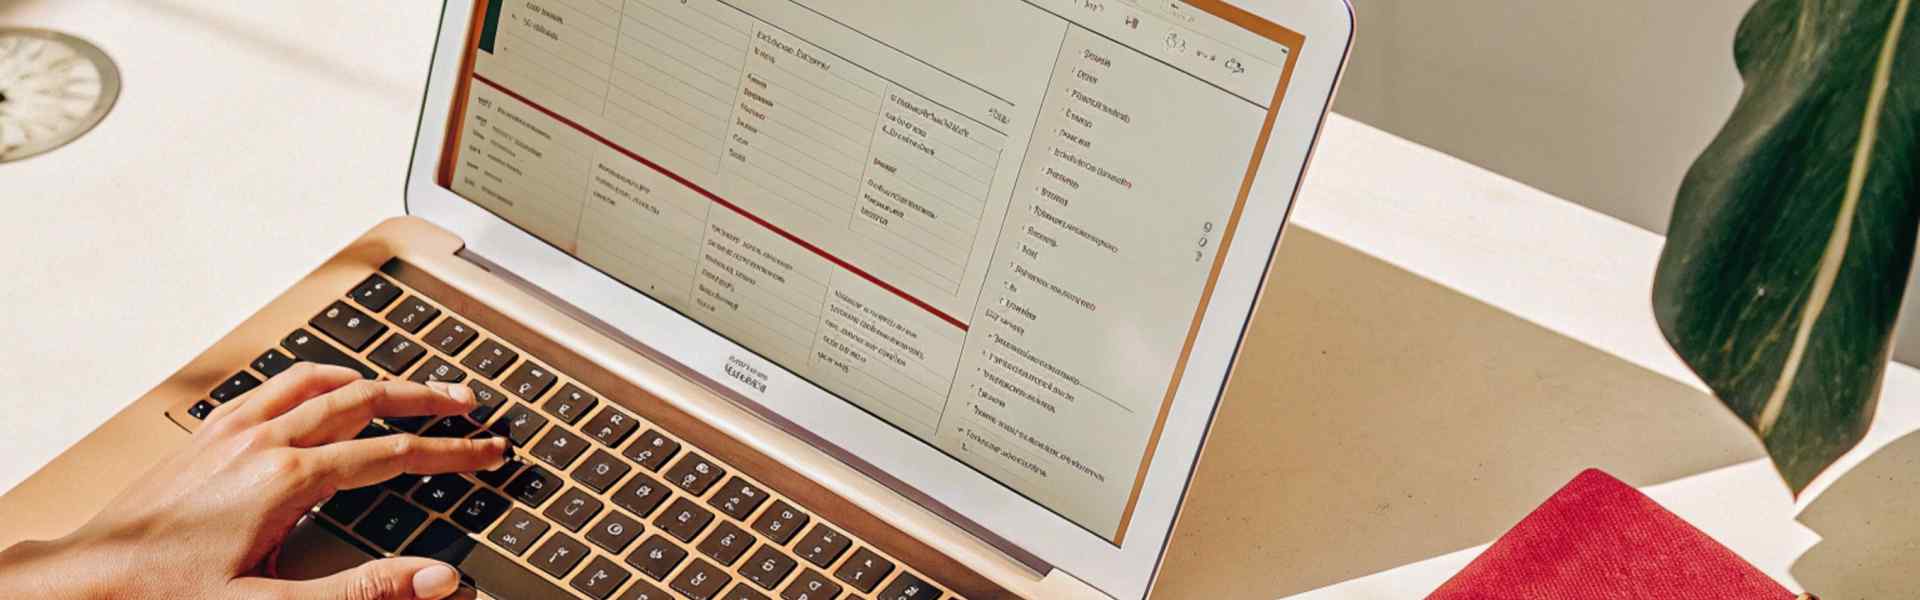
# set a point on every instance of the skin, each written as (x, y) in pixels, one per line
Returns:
(205, 522)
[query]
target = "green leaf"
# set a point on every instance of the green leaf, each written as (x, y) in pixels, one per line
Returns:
(1794, 231)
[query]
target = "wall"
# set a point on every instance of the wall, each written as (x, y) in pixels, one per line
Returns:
(1601, 103)
(1604, 104)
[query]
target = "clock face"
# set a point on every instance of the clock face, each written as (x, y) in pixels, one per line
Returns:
(53, 88)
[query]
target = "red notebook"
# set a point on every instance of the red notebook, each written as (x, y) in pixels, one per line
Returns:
(1599, 538)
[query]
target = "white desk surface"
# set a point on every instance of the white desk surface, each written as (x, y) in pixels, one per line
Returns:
(254, 139)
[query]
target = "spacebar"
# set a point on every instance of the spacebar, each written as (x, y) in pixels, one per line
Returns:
(501, 578)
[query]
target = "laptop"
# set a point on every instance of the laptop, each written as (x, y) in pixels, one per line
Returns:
(798, 299)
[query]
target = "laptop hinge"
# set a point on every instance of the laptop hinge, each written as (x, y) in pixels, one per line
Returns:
(1012, 552)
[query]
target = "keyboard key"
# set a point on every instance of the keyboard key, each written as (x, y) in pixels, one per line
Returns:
(534, 486)
(479, 510)
(726, 544)
(308, 347)
(610, 427)
(559, 448)
(390, 523)
(233, 387)
(440, 492)
(412, 315)
(738, 498)
(811, 585)
(574, 509)
(683, 519)
(500, 476)
(396, 354)
(768, 567)
(559, 555)
(401, 484)
(656, 557)
(529, 381)
(200, 409)
(373, 430)
(652, 450)
(376, 293)
(742, 592)
(347, 505)
(601, 471)
(570, 404)
(642, 590)
(641, 495)
(450, 337)
(519, 425)
(780, 522)
(519, 531)
(450, 427)
(408, 424)
(440, 541)
(822, 545)
(489, 359)
(600, 578)
(272, 362)
(500, 577)
(615, 532)
(700, 580)
(347, 325)
(908, 587)
(486, 401)
(864, 570)
(694, 473)
(438, 369)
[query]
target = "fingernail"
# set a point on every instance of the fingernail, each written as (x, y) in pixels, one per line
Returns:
(438, 387)
(435, 582)
(460, 393)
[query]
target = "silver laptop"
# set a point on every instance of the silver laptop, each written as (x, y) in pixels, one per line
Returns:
(800, 299)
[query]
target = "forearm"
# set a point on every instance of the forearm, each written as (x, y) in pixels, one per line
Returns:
(48, 570)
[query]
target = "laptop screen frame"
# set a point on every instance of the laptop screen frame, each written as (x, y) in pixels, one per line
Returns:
(1123, 570)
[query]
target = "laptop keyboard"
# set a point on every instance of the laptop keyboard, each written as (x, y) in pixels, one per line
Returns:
(596, 502)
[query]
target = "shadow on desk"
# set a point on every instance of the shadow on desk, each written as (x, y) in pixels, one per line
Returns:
(1868, 527)
(1378, 419)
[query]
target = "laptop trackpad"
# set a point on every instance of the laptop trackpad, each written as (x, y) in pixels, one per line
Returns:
(312, 552)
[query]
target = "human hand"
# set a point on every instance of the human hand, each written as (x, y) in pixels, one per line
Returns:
(205, 521)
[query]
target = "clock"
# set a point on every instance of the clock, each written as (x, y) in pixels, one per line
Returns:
(54, 87)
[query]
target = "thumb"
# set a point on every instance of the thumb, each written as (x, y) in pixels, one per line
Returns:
(400, 578)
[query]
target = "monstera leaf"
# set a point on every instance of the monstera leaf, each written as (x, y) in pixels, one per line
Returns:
(1794, 231)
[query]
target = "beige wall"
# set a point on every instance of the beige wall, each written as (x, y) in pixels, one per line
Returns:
(1601, 103)
(1604, 104)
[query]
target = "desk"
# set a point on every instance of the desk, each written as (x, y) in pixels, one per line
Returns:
(249, 145)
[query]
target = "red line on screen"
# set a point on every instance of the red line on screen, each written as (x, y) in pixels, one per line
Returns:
(729, 205)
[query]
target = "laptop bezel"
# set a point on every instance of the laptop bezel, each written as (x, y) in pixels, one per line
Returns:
(1123, 571)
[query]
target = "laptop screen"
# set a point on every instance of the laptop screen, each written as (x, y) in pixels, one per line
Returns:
(993, 224)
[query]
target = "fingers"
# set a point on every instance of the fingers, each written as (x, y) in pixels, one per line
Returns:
(282, 392)
(341, 413)
(400, 578)
(360, 463)
(219, 415)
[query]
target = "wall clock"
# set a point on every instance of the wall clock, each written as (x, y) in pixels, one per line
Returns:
(54, 87)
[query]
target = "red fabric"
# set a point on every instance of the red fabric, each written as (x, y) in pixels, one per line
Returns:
(1599, 538)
